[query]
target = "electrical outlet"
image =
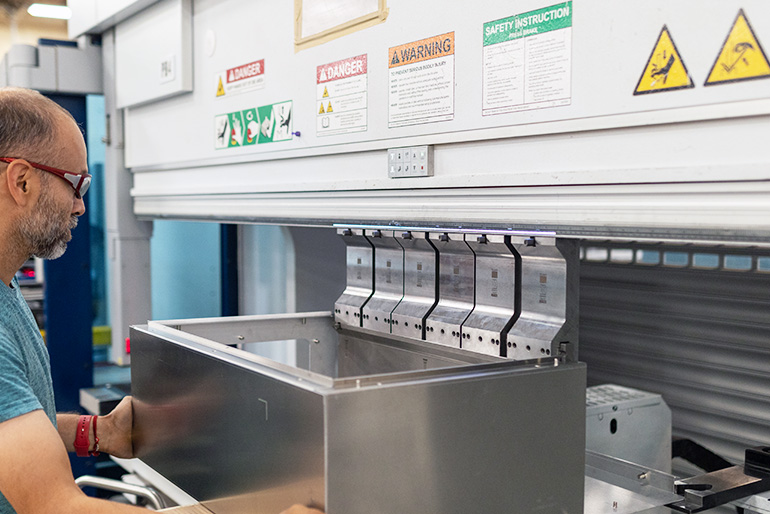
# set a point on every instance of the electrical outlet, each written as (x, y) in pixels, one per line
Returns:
(413, 161)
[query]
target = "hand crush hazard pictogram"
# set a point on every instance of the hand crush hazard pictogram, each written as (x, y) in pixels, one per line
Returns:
(665, 69)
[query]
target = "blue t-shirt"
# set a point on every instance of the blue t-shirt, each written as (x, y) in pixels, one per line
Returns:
(25, 370)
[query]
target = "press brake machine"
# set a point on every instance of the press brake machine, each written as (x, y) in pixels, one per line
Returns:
(462, 155)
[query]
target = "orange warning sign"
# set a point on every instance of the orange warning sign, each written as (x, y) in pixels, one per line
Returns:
(741, 56)
(423, 50)
(665, 69)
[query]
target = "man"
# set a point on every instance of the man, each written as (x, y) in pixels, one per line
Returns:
(43, 175)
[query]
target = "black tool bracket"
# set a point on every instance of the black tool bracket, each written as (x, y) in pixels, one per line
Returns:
(710, 490)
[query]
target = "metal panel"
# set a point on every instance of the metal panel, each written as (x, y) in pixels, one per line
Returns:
(388, 281)
(154, 54)
(545, 308)
(726, 212)
(612, 184)
(79, 70)
(697, 337)
(618, 486)
(596, 104)
(360, 277)
(128, 239)
(455, 289)
(55, 67)
(629, 424)
(307, 328)
(359, 357)
(95, 17)
(477, 435)
(420, 285)
(191, 404)
(497, 297)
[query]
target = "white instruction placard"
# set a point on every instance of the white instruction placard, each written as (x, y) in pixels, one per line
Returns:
(528, 61)
(422, 77)
(341, 96)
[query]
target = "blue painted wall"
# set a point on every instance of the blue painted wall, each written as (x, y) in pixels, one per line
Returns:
(96, 152)
(185, 270)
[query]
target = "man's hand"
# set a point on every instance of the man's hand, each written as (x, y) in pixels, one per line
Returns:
(301, 509)
(115, 430)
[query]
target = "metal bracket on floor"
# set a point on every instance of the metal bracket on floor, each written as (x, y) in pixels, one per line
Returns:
(710, 490)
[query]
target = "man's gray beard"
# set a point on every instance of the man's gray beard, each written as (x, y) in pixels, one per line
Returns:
(44, 233)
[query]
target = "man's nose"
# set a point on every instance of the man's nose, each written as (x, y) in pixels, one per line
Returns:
(78, 207)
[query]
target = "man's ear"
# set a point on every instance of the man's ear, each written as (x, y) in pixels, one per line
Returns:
(19, 179)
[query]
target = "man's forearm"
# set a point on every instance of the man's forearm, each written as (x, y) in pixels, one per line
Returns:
(67, 425)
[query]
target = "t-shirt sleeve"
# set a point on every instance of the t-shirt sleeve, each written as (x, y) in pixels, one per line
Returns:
(16, 394)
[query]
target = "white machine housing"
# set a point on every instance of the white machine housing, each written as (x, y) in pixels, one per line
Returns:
(607, 162)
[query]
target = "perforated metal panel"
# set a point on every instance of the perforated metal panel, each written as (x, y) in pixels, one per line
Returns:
(692, 324)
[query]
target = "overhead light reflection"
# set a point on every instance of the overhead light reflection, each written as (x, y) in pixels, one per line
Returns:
(59, 12)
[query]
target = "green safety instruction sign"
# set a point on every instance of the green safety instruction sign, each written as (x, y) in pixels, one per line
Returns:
(256, 125)
(527, 61)
(530, 23)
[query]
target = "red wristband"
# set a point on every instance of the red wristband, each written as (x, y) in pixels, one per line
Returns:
(95, 453)
(82, 441)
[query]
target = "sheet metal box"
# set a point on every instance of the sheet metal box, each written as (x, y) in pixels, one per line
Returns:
(364, 423)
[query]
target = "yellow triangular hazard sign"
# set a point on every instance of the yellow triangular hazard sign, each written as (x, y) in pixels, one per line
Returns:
(665, 70)
(329, 108)
(326, 93)
(741, 57)
(220, 88)
(321, 110)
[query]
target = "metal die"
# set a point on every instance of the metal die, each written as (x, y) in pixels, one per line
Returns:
(420, 285)
(543, 299)
(455, 289)
(360, 277)
(496, 295)
(388, 281)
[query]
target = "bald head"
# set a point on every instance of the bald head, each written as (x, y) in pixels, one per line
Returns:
(28, 124)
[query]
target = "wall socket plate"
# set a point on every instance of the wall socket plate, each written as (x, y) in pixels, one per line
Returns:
(411, 161)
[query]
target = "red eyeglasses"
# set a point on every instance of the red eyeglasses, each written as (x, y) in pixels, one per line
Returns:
(78, 181)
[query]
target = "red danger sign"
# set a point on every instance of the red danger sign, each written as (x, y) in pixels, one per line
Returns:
(246, 71)
(343, 69)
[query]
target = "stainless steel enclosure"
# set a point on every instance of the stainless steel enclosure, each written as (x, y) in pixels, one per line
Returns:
(375, 425)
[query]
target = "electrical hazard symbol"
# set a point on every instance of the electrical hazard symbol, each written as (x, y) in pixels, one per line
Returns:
(220, 88)
(741, 57)
(326, 92)
(321, 110)
(665, 70)
(329, 108)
